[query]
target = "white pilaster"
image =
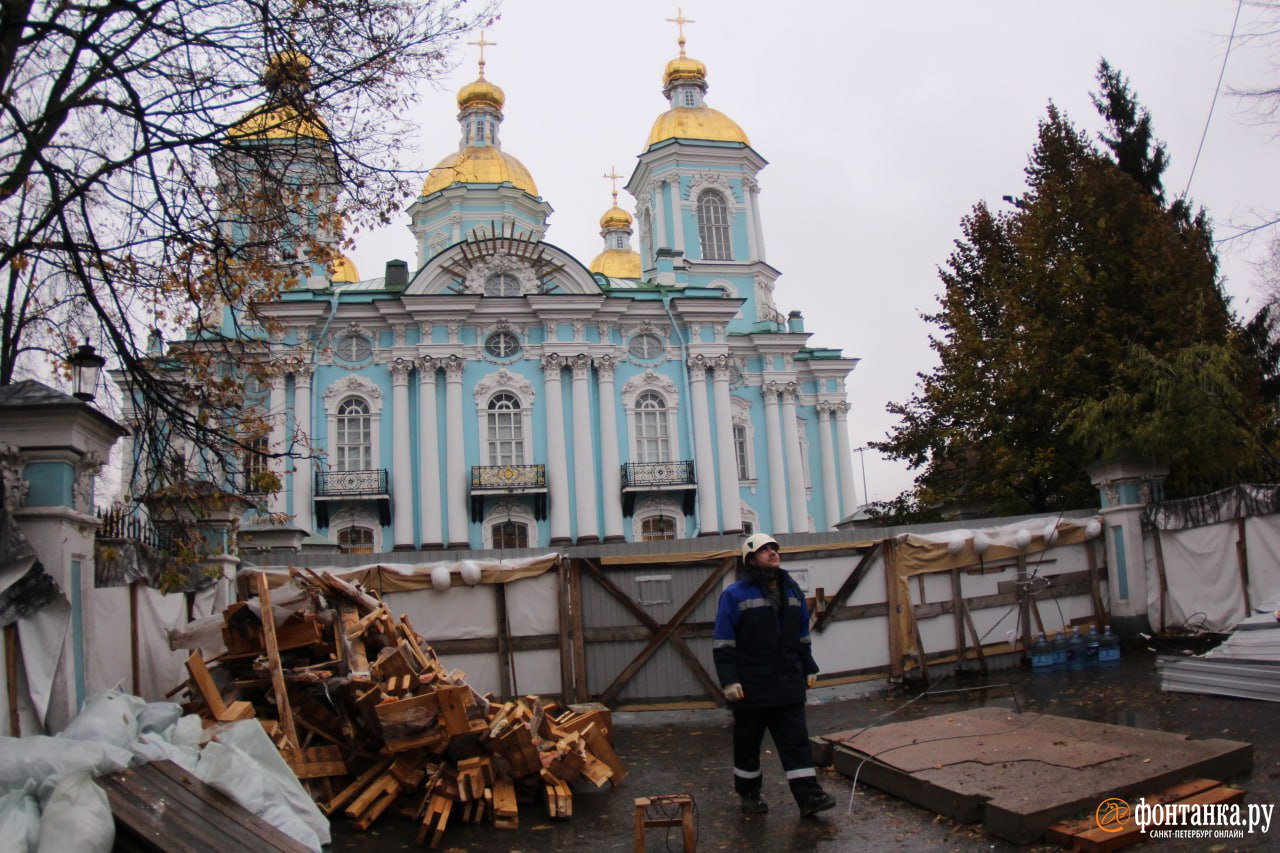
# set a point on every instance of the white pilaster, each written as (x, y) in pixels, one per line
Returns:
(757, 228)
(557, 464)
(830, 496)
(429, 444)
(795, 465)
(584, 463)
(660, 219)
(401, 462)
(848, 494)
(730, 511)
(277, 404)
(677, 213)
(703, 462)
(777, 471)
(304, 468)
(610, 468)
(456, 452)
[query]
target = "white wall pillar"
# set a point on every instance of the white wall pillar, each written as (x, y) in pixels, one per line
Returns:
(795, 464)
(401, 460)
(456, 453)
(777, 471)
(730, 510)
(557, 459)
(303, 469)
(429, 455)
(677, 213)
(848, 494)
(277, 404)
(756, 227)
(584, 461)
(703, 461)
(830, 494)
(610, 468)
(661, 240)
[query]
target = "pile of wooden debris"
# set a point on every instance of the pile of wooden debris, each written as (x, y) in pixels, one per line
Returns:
(367, 716)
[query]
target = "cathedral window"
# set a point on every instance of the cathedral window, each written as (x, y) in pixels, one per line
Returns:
(255, 466)
(645, 346)
(505, 430)
(658, 528)
(713, 226)
(690, 99)
(740, 451)
(510, 524)
(502, 345)
(652, 440)
(502, 284)
(355, 540)
(510, 534)
(353, 348)
(354, 436)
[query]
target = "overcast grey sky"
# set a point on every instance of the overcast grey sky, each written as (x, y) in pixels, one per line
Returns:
(883, 124)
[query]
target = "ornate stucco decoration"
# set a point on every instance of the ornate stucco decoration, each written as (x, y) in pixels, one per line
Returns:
(711, 181)
(12, 464)
(494, 264)
(503, 380)
(87, 469)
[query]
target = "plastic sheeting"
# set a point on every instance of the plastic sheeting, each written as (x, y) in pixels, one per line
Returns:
(1202, 577)
(403, 577)
(1244, 501)
(955, 549)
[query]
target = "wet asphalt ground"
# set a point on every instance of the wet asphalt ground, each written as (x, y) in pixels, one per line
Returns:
(669, 752)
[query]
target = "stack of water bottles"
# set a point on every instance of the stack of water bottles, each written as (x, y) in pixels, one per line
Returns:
(1075, 651)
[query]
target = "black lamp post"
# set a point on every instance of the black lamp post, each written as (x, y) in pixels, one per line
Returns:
(86, 366)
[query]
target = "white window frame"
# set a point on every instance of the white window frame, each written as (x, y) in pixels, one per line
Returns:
(715, 239)
(498, 382)
(741, 418)
(510, 510)
(664, 388)
(365, 390)
(652, 507)
(356, 516)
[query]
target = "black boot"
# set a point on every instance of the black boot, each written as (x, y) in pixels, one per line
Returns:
(818, 801)
(752, 804)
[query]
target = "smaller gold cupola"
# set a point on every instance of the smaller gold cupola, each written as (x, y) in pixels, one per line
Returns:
(480, 158)
(618, 260)
(287, 114)
(684, 83)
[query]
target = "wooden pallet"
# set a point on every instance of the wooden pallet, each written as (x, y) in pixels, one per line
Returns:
(1086, 835)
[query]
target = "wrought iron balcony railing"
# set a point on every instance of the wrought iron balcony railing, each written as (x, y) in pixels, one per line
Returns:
(351, 483)
(642, 476)
(499, 479)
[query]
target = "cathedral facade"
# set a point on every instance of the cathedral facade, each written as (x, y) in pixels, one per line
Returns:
(497, 392)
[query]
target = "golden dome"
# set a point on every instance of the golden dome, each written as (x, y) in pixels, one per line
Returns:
(684, 68)
(617, 263)
(616, 217)
(481, 92)
(344, 270)
(696, 123)
(280, 123)
(487, 165)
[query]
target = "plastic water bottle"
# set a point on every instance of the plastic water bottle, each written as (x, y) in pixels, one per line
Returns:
(1109, 648)
(1077, 650)
(1093, 643)
(1059, 646)
(1041, 654)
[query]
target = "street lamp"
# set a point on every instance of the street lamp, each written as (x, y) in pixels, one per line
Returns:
(86, 367)
(862, 451)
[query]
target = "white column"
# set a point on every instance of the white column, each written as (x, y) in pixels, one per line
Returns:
(703, 462)
(677, 217)
(659, 220)
(455, 453)
(610, 468)
(429, 455)
(848, 494)
(758, 228)
(730, 511)
(795, 465)
(750, 210)
(557, 463)
(401, 461)
(830, 496)
(777, 472)
(303, 469)
(584, 462)
(278, 504)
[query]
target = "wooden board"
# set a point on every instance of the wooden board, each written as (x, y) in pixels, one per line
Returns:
(160, 806)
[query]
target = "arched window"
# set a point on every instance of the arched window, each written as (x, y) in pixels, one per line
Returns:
(354, 443)
(510, 524)
(502, 284)
(355, 540)
(510, 534)
(713, 226)
(505, 430)
(652, 442)
(658, 527)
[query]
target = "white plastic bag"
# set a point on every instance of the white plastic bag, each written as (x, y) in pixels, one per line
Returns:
(20, 820)
(107, 717)
(40, 757)
(158, 716)
(77, 817)
(235, 773)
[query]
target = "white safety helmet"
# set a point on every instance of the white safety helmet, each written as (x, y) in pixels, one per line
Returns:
(755, 542)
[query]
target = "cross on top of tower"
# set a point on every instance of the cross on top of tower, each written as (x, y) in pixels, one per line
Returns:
(680, 20)
(482, 44)
(613, 176)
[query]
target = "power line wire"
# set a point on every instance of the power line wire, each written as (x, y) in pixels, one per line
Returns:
(1218, 88)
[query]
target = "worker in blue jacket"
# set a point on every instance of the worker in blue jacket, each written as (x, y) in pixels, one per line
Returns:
(764, 661)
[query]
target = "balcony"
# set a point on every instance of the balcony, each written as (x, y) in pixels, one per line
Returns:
(508, 480)
(352, 487)
(642, 477)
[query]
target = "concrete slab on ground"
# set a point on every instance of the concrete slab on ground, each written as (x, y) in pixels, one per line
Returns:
(1019, 773)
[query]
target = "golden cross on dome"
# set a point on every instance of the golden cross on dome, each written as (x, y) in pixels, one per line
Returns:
(680, 20)
(482, 44)
(613, 183)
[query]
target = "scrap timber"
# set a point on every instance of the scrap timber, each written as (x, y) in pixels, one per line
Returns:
(371, 721)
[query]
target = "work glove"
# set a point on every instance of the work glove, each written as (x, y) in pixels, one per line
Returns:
(733, 692)
(811, 680)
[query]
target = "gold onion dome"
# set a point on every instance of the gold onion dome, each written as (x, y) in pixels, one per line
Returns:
(616, 217)
(684, 68)
(480, 92)
(344, 270)
(287, 79)
(617, 263)
(691, 122)
(479, 165)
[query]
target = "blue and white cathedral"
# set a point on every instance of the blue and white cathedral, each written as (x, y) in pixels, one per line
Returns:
(500, 393)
